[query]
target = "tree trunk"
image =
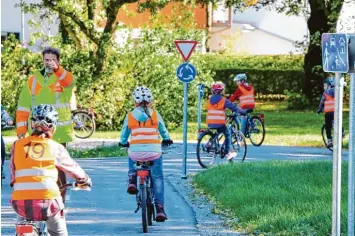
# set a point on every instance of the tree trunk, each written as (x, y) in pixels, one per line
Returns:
(317, 24)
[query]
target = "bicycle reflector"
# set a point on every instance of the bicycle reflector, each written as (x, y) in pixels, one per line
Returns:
(24, 229)
(200, 131)
(262, 117)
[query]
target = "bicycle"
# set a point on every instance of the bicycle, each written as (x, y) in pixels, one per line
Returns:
(145, 195)
(39, 228)
(255, 128)
(212, 144)
(84, 123)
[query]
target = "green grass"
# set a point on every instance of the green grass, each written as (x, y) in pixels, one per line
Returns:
(275, 198)
(283, 127)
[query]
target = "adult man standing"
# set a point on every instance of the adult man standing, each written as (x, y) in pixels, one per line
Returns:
(51, 85)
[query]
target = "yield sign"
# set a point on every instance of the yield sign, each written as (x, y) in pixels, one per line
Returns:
(185, 47)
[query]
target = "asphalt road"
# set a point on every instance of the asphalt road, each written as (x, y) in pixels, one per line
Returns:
(109, 210)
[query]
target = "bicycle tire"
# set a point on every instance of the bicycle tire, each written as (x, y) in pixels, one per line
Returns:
(325, 139)
(201, 148)
(89, 124)
(253, 129)
(150, 205)
(239, 145)
(143, 190)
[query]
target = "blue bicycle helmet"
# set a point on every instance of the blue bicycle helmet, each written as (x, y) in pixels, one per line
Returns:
(240, 77)
(330, 81)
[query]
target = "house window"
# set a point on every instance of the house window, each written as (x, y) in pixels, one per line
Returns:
(5, 35)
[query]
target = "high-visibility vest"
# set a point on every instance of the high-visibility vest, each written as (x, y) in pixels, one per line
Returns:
(216, 113)
(247, 98)
(144, 132)
(35, 171)
(55, 91)
(328, 103)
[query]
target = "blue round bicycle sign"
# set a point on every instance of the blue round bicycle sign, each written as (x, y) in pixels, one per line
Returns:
(186, 72)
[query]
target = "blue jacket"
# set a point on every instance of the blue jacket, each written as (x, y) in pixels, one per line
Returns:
(215, 98)
(4, 115)
(139, 114)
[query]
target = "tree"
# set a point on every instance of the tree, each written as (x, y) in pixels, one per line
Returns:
(90, 23)
(322, 18)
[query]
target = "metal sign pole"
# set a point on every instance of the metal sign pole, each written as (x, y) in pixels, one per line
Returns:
(351, 181)
(199, 107)
(338, 123)
(183, 176)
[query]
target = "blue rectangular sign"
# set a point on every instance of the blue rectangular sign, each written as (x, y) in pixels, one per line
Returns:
(335, 55)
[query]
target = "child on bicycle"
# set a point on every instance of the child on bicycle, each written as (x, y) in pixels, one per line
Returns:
(144, 124)
(245, 94)
(34, 174)
(216, 117)
(8, 121)
(327, 105)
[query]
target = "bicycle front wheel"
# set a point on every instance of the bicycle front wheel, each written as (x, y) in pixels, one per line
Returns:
(239, 145)
(143, 190)
(206, 150)
(256, 131)
(84, 124)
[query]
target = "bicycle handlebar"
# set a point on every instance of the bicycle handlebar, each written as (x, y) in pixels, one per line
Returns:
(75, 186)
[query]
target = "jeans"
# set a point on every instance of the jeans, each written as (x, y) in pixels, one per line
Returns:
(2, 153)
(228, 137)
(156, 172)
(56, 224)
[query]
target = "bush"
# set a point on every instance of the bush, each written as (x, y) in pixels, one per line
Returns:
(296, 101)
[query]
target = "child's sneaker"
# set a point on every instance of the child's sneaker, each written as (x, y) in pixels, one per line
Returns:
(330, 143)
(230, 155)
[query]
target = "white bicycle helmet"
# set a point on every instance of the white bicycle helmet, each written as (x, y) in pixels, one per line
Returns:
(240, 77)
(142, 94)
(44, 117)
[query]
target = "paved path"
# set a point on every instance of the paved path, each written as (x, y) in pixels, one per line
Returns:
(108, 210)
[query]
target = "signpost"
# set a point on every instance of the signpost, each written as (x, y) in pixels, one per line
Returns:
(351, 181)
(186, 73)
(336, 59)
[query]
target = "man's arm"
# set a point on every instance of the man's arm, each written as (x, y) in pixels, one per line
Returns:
(12, 165)
(65, 77)
(235, 95)
(23, 109)
(65, 163)
(125, 132)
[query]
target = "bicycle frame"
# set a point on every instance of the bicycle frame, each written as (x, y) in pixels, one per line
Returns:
(26, 227)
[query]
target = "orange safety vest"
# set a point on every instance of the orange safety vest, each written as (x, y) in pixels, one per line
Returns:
(144, 132)
(216, 113)
(35, 171)
(328, 103)
(247, 98)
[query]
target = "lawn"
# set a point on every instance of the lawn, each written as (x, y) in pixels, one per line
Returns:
(283, 127)
(275, 198)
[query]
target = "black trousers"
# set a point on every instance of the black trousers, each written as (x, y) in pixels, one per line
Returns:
(2, 153)
(329, 117)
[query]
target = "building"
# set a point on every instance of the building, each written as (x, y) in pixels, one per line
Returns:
(250, 32)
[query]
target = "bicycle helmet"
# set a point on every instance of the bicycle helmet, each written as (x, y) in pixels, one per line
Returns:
(240, 77)
(44, 118)
(142, 94)
(217, 87)
(330, 81)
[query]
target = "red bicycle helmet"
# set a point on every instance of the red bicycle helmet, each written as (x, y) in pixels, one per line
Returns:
(217, 87)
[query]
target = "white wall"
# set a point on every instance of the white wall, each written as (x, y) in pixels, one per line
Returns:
(11, 21)
(291, 27)
(256, 42)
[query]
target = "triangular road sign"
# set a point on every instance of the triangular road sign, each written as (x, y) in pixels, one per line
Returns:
(185, 47)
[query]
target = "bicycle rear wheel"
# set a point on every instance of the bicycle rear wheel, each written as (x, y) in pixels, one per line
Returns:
(84, 124)
(256, 131)
(150, 204)
(206, 150)
(143, 191)
(325, 139)
(239, 145)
